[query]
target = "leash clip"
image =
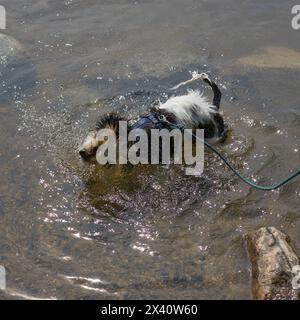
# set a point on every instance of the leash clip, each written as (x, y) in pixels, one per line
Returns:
(162, 118)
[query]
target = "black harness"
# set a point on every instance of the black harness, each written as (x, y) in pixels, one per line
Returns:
(149, 119)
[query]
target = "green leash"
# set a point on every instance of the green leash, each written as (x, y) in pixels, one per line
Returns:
(230, 166)
(247, 181)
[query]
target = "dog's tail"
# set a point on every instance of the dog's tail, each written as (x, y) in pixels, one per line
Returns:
(217, 93)
(204, 76)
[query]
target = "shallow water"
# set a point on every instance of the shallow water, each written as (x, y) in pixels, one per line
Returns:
(73, 230)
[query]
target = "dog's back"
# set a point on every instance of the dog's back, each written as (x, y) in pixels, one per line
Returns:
(193, 111)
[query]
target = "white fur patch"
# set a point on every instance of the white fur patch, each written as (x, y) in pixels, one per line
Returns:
(189, 109)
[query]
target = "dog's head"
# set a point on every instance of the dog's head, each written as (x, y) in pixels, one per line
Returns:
(91, 143)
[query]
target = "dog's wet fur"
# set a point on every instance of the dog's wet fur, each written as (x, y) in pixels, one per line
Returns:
(191, 111)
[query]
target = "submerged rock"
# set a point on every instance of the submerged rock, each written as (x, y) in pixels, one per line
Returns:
(273, 57)
(272, 260)
(17, 72)
(10, 49)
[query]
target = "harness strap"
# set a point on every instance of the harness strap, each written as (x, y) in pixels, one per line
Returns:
(148, 120)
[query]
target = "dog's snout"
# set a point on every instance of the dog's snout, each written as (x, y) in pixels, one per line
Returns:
(89, 147)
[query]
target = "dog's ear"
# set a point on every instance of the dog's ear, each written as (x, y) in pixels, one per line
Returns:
(109, 121)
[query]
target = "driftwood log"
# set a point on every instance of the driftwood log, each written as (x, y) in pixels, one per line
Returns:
(274, 265)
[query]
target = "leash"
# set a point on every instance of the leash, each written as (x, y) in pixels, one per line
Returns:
(231, 167)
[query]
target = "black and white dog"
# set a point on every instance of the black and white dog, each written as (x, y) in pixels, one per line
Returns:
(191, 111)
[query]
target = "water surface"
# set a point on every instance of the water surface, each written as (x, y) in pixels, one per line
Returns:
(74, 230)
